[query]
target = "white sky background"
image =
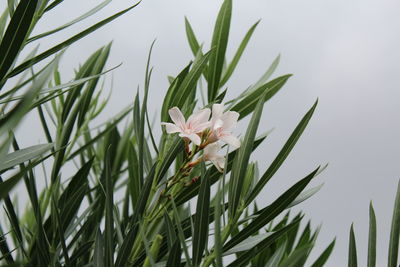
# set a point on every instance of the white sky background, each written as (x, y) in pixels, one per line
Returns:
(346, 53)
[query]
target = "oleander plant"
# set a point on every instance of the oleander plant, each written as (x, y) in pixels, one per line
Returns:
(120, 194)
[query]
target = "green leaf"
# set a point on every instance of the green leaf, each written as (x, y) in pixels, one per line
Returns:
(322, 259)
(192, 190)
(296, 257)
(201, 221)
(191, 37)
(174, 256)
(282, 155)
(15, 34)
(232, 66)
(372, 237)
(245, 106)
(176, 147)
(247, 256)
(172, 92)
(352, 262)
(242, 160)
(247, 244)
(264, 78)
(271, 211)
(72, 22)
(395, 231)
(125, 249)
(218, 45)
(305, 195)
(66, 43)
(170, 231)
(98, 257)
(20, 156)
(277, 256)
(190, 81)
(109, 220)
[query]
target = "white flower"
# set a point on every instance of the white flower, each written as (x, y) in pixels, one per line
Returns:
(222, 124)
(210, 154)
(196, 123)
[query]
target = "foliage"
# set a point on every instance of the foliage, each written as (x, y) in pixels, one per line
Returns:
(82, 220)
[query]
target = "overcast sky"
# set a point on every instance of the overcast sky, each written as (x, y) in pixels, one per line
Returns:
(346, 53)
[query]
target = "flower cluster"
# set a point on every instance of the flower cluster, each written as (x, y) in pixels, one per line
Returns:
(204, 132)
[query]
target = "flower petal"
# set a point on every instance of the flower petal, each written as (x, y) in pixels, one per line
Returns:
(199, 117)
(192, 137)
(230, 140)
(177, 117)
(210, 151)
(230, 119)
(217, 110)
(171, 128)
(219, 163)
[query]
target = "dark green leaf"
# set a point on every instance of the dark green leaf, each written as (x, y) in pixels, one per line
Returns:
(66, 43)
(219, 44)
(372, 238)
(174, 257)
(395, 231)
(271, 211)
(322, 259)
(15, 34)
(247, 256)
(352, 262)
(201, 221)
(242, 160)
(282, 155)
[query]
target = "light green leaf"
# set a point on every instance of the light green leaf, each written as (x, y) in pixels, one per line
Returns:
(372, 238)
(20, 156)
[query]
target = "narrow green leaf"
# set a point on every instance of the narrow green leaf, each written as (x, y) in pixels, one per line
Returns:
(271, 211)
(15, 34)
(352, 262)
(232, 66)
(277, 256)
(245, 106)
(126, 247)
(72, 22)
(323, 258)
(219, 44)
(98, 257)
(296, 257)
(191, 37)
(109, 220)
(169, 230)
(66, 43)
(264, 78)
(190, 81)
(372, 237)
(306, 195)
(201, 221)
(247, 256)
(242, 160)
(282, 155)
(174, 257)
(20, 156)
(172, 92)
(176, 147)
(395, 231)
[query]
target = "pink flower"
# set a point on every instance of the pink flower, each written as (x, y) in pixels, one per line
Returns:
(210, 154)
(196, 123)
(222, 125)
